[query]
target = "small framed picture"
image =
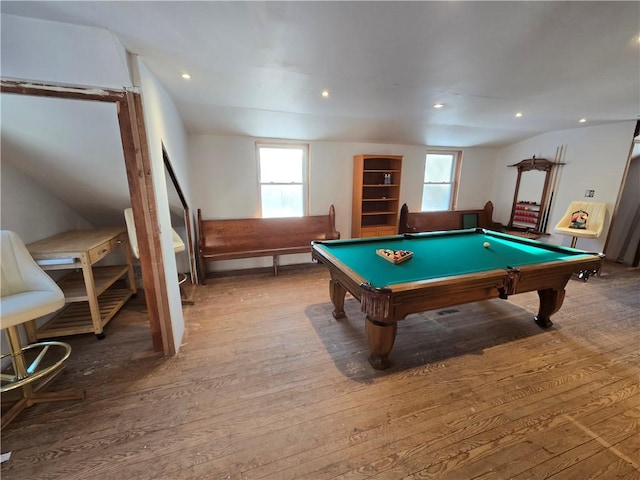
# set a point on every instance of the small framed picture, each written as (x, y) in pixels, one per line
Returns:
(469, 220)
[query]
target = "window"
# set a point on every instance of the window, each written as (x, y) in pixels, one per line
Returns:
(283, 179)
(441, 173)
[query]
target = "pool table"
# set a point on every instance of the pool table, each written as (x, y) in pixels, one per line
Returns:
(446, 268)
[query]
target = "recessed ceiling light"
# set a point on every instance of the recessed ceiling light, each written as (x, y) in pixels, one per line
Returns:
(438, 105)
(582, 120)
(186, 76)
(325, 93)
(518, 115)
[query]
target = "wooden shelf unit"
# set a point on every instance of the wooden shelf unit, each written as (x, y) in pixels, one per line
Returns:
(75, 290)
(76, 318)
(376, 195)
(91, 294)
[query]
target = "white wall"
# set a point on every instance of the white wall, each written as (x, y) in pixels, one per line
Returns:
(476, 177)
(224, 179)
(595, 159)
(54, 52)
(30, 211)
(164, 126)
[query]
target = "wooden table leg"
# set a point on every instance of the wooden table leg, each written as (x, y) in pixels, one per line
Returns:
(131, 277)
(337, 293)
(550, 302)
(381, 338)
(94, 306)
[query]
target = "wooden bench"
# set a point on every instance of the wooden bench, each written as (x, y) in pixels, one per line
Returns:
(446, 220)
(232, 239)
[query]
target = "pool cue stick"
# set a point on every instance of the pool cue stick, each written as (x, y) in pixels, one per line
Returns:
(556, 179)
(548, 197)
(553, 184)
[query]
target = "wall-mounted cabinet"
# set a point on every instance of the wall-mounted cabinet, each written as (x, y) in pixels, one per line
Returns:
(376, 195)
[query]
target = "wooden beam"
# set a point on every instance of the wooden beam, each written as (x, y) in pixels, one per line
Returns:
(143, 204)
(36, 89)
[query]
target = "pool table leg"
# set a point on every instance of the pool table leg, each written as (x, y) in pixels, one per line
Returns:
(381, 337)
(550, 302)
(337, 293)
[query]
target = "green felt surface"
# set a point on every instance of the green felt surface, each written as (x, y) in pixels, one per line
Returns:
(440, 256)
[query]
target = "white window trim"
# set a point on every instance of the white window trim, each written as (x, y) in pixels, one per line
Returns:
(455, 181)
(305, 170)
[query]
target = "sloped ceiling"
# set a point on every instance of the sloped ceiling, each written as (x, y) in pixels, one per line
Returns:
(258, 69)
(72, 148)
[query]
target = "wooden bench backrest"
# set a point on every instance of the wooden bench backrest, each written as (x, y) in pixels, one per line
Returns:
(254, 234)
(445, 220)
(223, 236)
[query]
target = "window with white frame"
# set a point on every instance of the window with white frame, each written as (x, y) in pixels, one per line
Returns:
(441, 174)
(283, 179)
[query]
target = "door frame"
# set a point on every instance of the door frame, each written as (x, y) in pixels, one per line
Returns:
(139, 171)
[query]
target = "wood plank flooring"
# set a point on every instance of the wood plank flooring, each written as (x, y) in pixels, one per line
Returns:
(267, 385)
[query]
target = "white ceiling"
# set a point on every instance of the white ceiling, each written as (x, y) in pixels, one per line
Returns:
(258, 67)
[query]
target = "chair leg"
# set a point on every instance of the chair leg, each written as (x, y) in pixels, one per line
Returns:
(31, 397)
(31, 394)
(17, 357)
(186, 300)
(31, 330)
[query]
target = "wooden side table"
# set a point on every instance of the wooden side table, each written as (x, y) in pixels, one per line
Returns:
(91, 297)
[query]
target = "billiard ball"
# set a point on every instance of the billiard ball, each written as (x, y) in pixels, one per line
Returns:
(486, 244)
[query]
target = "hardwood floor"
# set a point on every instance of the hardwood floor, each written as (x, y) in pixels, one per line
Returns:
(268, 385)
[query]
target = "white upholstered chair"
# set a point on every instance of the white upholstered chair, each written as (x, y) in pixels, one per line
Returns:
(593, 226)
(28, 293)
(178, 246)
